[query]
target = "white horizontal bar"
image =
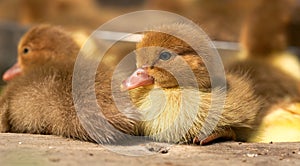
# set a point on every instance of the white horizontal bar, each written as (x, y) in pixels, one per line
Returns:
(128, 37)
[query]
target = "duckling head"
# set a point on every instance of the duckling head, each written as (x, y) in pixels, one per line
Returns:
(40, 45)
(166, 61)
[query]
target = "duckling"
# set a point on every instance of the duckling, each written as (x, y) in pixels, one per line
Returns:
(177, 112)
(273, 70)
(40, 99)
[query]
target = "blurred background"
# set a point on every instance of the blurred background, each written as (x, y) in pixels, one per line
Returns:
(223, 20)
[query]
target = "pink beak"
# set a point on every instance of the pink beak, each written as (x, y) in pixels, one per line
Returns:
(138, 78)
(15, 70)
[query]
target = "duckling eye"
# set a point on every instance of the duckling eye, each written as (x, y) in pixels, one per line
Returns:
(25, 50)
(165, 56)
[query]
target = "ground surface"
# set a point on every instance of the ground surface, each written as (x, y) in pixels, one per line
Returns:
(26, 149)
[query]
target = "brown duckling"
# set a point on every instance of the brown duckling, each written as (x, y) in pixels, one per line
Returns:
(178, 111)
(40, 99)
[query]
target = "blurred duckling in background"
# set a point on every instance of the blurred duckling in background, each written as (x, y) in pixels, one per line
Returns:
(177, 112)
(274, 72)
(38, 98)
(265, 38)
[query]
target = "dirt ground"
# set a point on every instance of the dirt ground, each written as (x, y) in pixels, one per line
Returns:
(27, 149)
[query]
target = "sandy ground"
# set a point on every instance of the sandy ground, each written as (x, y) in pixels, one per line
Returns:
(27, 149)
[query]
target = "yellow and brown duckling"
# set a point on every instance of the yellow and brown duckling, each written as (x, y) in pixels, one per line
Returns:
(178, 111)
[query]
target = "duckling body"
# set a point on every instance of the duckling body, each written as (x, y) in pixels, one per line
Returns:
(41, 102)
(182, 116)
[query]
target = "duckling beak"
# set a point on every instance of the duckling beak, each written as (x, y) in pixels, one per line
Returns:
(12, 72)
(138, 78)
